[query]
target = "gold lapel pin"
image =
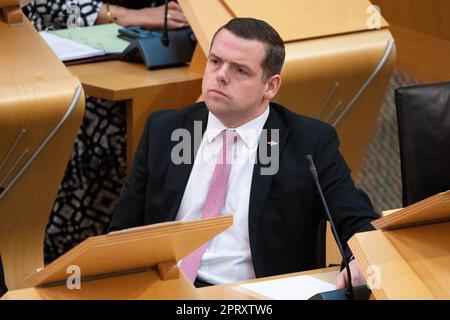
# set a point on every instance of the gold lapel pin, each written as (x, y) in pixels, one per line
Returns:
(272, 143)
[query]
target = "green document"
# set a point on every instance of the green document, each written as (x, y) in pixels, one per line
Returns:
(103, 37)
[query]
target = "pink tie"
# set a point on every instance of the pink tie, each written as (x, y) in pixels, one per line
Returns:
(215, 200)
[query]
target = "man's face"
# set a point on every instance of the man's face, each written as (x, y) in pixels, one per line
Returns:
(233, 85)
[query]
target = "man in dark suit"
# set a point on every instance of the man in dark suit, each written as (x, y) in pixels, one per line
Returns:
(267, 184)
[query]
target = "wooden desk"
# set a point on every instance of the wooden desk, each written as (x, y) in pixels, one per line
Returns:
(233, 292)
(145, 91)
(142, 286)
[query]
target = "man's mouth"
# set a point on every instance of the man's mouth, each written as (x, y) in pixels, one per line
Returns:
(219, 92)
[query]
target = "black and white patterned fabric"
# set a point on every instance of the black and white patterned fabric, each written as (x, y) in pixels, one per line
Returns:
(56, 14)
(93, 178)
(97, 168)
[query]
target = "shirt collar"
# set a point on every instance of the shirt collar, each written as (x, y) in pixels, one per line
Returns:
(248, 132)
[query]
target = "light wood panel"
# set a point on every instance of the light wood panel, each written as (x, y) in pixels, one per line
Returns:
(422, 56)
(422, 31)
(12, 15)
(412, 263)
(293, 19)
(397, 280)
(386, 213)
(431, 210)
(321, 77)
(332, 253)
(428, 16)
(427, 250)
(36, 91)
(411, 254)
(139, 286)
(205, 17)
(119, 80)
(136, 263)
(9, 3)
(143, 247)
(300, 20)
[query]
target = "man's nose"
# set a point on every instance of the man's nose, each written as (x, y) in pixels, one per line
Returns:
(222, 74)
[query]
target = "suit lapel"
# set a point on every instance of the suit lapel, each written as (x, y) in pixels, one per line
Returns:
(261, 183)
(178, 174)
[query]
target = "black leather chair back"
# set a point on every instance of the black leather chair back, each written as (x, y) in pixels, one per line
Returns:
(423, 115)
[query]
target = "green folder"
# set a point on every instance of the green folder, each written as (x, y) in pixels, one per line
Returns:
(103, 37)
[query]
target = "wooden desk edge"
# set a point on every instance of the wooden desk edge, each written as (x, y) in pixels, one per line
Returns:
(232, 291)
(94, 85)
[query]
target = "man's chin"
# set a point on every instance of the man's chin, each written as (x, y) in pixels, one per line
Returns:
(216, 107)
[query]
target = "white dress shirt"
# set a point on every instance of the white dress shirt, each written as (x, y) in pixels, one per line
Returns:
(227, 257)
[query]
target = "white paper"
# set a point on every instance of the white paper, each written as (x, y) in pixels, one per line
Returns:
(292, 288)
(67, 49)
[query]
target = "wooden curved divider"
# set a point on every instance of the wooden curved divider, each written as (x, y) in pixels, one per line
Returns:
(41, 107)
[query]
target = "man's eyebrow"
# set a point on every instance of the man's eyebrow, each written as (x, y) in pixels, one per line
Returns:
(240, 65)
(234, 64)
(212, 55)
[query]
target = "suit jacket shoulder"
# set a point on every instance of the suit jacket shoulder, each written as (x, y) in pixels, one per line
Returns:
(298, 122)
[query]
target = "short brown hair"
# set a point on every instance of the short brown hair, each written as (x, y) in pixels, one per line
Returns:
(254, 29)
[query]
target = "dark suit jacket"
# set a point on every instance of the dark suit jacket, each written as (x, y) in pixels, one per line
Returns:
(285, 209)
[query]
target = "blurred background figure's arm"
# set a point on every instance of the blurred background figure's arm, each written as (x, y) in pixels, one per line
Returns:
(151, 18)
(52, 14)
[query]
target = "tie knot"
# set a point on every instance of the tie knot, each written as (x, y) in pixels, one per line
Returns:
(229, 136)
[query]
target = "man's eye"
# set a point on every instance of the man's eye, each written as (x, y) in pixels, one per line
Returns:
(241, 71)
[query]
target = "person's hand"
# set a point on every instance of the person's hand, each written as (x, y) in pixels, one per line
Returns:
(357, 276)
(153, 18)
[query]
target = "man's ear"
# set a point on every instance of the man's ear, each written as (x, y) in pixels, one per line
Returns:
(271, 87)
